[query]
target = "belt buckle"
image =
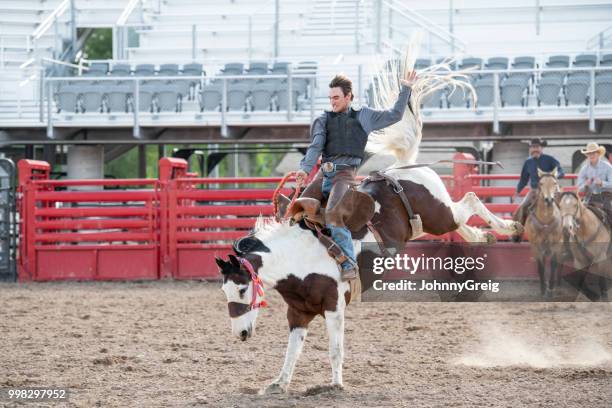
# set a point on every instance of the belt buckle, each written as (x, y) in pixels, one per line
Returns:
(327, 167)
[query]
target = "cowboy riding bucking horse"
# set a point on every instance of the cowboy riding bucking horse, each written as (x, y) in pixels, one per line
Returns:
(340, 137)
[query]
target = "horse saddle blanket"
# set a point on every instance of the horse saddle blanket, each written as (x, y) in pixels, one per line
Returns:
(355, 207)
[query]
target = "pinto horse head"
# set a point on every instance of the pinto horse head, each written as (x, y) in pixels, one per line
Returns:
(244, 293)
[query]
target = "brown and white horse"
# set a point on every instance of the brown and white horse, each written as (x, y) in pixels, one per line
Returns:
(290, 258)
(589, 240)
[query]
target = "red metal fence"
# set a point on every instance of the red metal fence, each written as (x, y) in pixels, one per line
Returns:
(169, 227)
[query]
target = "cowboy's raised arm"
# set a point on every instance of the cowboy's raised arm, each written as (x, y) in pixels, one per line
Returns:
(318, 136)
(372, 119)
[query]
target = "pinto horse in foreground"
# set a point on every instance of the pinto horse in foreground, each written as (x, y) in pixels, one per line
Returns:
(292, 260)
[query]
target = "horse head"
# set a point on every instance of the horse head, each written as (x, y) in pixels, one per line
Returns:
(242, 289)
(570, 207)
(548, 186)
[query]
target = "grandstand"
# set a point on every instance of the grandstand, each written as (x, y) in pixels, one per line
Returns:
(237, 71)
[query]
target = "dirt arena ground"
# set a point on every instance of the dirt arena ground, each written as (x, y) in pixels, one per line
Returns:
(168, 344)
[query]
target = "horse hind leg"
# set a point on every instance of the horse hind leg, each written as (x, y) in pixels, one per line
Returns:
(473, 234)
(470, 205)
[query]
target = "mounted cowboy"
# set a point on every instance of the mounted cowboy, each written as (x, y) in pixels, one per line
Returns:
(595, 178)
(529, 174)
(340, 136)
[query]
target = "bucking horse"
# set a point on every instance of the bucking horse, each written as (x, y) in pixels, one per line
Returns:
(290, 258)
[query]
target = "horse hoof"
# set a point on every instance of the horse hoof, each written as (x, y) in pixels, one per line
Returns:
(518, 228)
(490, 238)
(274, 388)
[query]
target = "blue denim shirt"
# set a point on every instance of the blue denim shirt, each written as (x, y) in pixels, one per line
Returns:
(530, 170)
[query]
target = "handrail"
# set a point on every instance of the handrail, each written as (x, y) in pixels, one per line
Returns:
(425, 23)
(127, 11)
(50, 20)
(598, 40)
(58, 62)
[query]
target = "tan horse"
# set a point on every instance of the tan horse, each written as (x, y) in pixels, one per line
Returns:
(544, 230)
(589, 241)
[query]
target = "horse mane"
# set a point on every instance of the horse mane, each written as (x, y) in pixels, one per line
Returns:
(402, 139)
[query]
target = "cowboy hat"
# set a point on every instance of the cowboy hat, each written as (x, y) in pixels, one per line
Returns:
(592, 148)
(537, 141)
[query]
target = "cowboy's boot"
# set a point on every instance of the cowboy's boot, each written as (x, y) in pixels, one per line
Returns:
(349, 270)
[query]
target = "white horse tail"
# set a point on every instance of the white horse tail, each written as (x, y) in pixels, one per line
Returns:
(402, 139)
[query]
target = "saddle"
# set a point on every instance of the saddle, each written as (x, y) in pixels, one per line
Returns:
(358, 209)
(602, 214)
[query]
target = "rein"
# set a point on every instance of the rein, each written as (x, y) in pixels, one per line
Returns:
(298, 187)
(257, 286)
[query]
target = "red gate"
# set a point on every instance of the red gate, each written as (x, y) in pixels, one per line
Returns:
(73, 229)
(171, 227)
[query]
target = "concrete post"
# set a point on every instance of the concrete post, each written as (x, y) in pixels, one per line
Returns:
(85, 162)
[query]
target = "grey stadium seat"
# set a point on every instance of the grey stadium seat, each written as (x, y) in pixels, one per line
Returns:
(117, 98)
(458, 98)
(512, 92)
(421, 63)
(261, 96)
(258, 68)
(99, 67)
(558, 61)
(585, 60)
(168, 70)
(606, 60)
(434, 99)
(280, 68)
(497, 63)
(282, 95)
(67, 100)
(144, 70)
(524, 63)
(233, 68)
(485, 91)
(210, 98)
(189, 86)
(236, 96)
(548, 91)
(91, 99)
(168, 98)
(577, 90)
(121, 70)
(603, 90)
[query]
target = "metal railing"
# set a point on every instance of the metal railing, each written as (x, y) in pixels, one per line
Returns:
(600, 40)
(53, 21)
(47, 85)
(536, 74)
(399, 9)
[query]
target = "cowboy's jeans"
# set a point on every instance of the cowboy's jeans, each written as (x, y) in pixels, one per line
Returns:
(340, 235)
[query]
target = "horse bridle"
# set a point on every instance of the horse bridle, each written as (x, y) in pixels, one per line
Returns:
(257, 286)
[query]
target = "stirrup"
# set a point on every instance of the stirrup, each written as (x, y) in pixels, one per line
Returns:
(352, 272)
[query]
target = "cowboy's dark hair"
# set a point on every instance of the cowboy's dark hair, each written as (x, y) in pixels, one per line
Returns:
(343, 82)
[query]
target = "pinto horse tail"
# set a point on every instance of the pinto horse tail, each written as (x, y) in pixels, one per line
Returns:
(402, 139)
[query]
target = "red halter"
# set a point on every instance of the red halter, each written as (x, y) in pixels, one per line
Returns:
(257, 285)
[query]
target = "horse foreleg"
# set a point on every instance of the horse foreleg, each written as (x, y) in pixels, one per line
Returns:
(470, 205)
(298, 323)
(335, 330)
(541, 273)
